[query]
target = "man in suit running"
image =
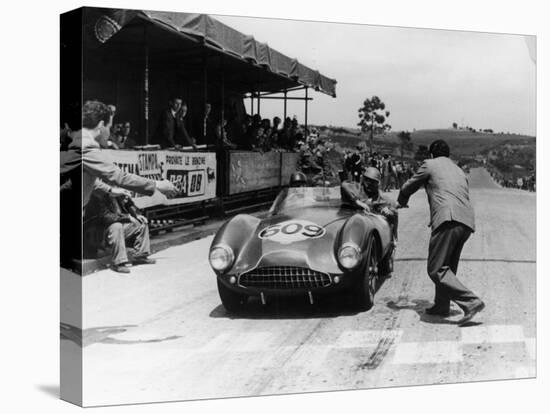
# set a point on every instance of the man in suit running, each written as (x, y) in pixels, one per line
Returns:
(452, 223)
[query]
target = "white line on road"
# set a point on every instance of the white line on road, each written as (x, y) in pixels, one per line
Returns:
(440, 352)
(492, 333)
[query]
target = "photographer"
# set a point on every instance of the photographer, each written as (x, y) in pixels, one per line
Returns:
(123, 225)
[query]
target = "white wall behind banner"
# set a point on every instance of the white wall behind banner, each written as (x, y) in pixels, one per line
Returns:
(193, 174)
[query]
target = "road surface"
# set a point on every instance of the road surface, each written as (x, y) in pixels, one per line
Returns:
(161, 334)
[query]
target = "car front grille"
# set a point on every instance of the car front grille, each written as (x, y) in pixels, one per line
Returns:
(284, 277)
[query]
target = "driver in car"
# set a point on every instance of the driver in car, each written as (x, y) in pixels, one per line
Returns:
(366, 196)
(297, 180)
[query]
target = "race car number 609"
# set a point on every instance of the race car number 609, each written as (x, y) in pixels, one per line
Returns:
(292, 231)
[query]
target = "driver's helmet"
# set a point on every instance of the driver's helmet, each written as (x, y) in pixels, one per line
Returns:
(298, 179)
(372, 173)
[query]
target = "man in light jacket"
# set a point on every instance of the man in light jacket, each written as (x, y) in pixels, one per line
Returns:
(452, 223)
(85, 168)
(97, 168)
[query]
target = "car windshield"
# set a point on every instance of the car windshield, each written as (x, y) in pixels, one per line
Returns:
(300, 197)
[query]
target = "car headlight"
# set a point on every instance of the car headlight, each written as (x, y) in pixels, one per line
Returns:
(221, 258)
(349, 255)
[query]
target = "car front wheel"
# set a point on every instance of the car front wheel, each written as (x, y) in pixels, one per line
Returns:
(386, 267)
(366, 286)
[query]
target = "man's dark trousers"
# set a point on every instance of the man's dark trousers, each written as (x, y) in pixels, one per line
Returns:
(446, 244)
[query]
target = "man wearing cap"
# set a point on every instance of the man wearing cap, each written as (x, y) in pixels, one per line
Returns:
(452, 223)
(366, 195)
(297, 179)
(292, 193)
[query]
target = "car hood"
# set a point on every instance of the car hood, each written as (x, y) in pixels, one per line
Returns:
(303, 238)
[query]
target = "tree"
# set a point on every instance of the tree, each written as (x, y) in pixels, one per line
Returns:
(372, 118)
(405, 140)
(455, 125)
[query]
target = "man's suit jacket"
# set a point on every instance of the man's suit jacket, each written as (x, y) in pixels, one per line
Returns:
(205, 131)
(447, 189)
(171, 131)
(97, 171)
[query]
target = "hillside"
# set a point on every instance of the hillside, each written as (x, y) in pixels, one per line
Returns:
(510, 154)
(462, 142)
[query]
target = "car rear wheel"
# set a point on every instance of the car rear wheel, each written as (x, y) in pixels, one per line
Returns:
(231, 301)
(367, 285)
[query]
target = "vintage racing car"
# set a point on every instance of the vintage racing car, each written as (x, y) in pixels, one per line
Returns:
(309, 244)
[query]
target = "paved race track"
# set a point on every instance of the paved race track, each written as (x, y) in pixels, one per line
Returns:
(161, 334)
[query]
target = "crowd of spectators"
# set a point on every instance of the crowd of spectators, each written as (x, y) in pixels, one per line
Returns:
(313, 159)
(393, 173)
(267, 135)
(175, 130)
(521, 182)
(254, 133)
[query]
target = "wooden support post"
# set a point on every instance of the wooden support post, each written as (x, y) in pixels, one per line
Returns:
(285, 106)
(305, 120)
(251, 103)
(223, 98)
(146, 87)
(204, 98)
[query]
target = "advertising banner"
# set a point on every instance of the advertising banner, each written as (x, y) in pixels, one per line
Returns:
(193, 174)
(249, 171)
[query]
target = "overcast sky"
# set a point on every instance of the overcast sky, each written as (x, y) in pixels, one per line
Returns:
(427, 78)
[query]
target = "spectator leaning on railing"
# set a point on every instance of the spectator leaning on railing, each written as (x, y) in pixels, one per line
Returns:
(171, 131)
